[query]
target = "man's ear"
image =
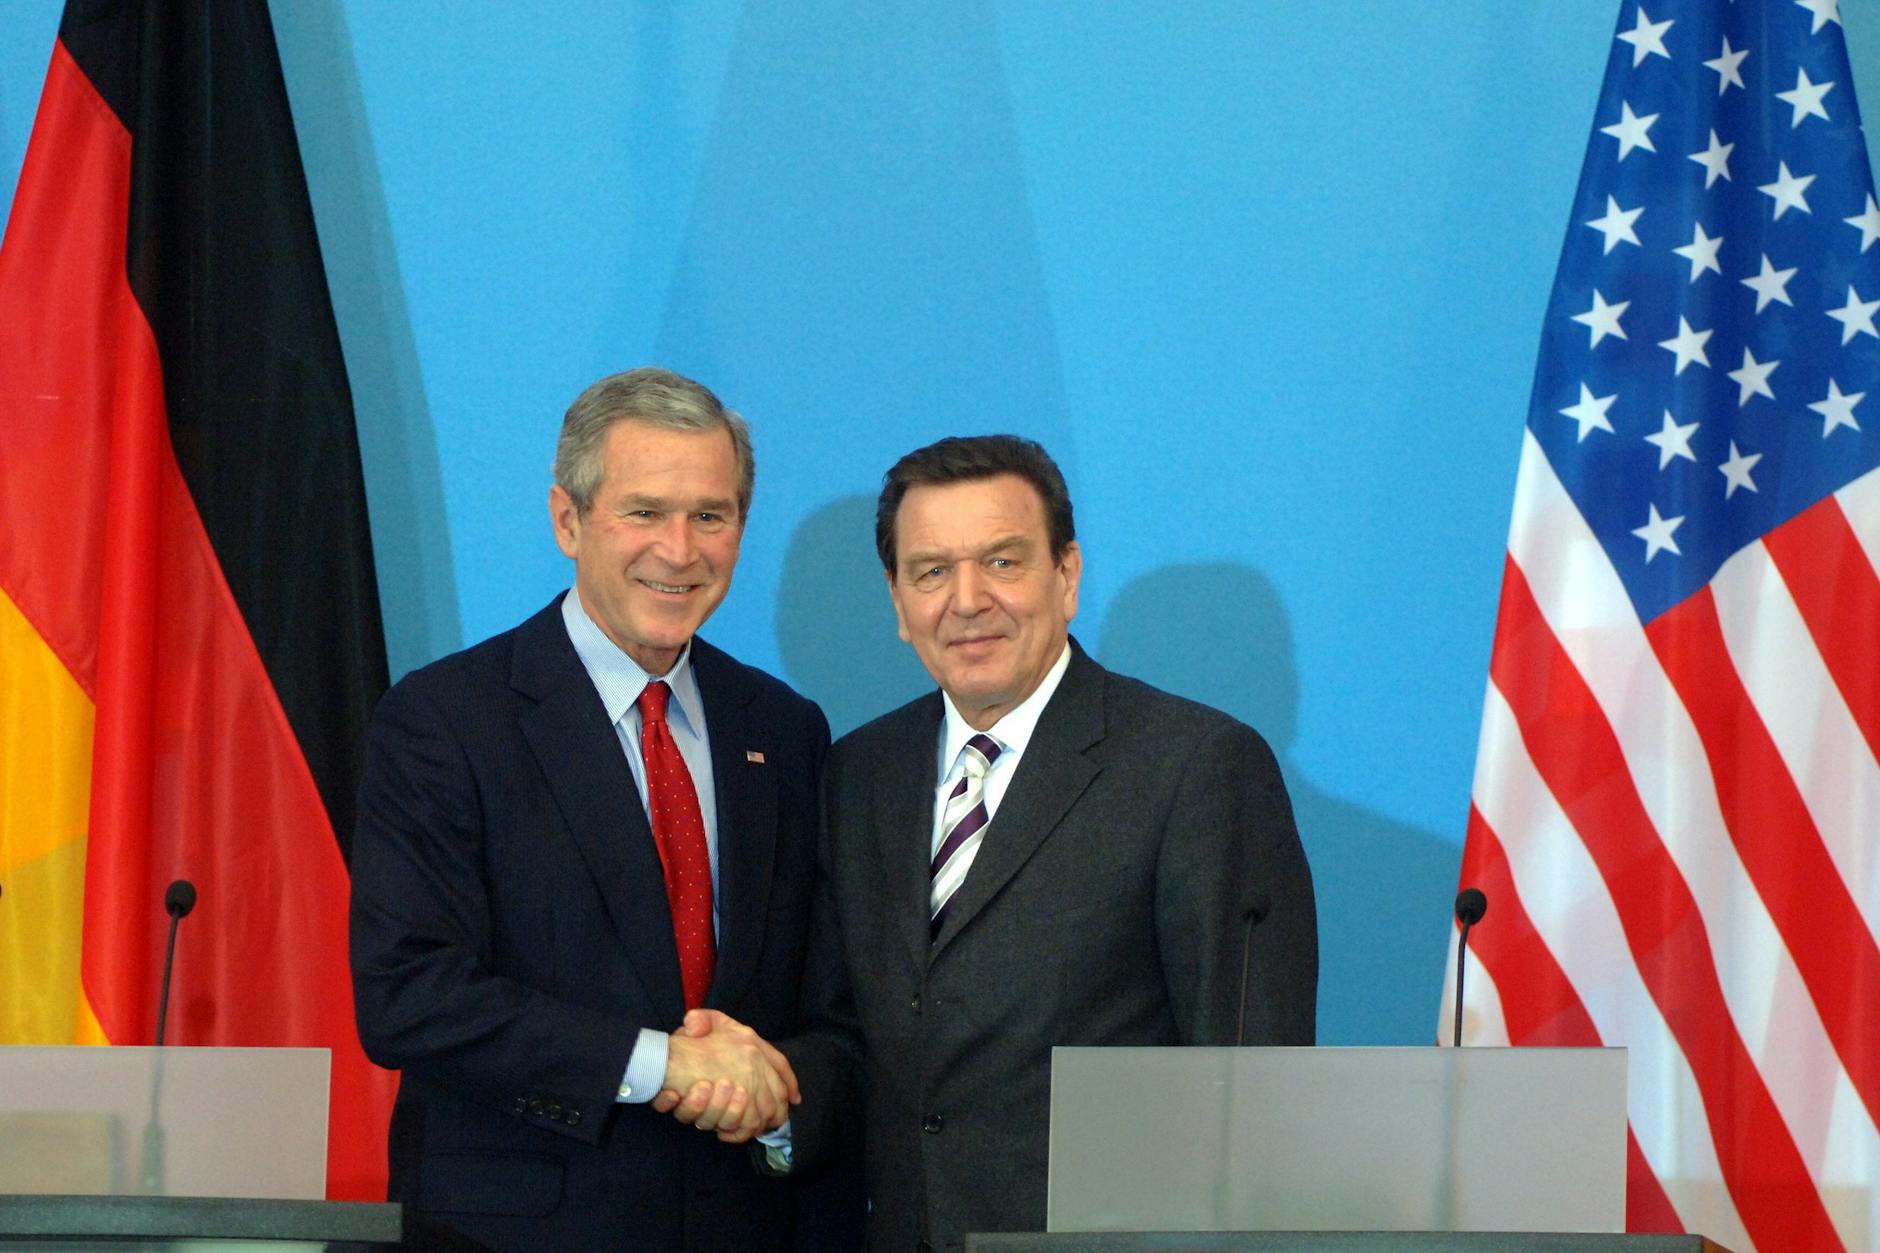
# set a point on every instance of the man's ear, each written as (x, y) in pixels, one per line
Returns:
(900, 621)
(566, 519)
(1071, 571)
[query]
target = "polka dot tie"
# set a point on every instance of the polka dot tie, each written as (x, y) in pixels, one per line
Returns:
(679, 834)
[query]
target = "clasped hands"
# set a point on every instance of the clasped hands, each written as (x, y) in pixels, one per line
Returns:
(722, 1076)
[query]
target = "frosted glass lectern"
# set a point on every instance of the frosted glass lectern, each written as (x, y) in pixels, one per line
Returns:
(1337, 1139)
(176, 1121)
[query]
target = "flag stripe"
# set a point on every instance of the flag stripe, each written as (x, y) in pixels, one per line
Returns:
(45, 766)
(1822, 929)
(1567, 904)
(1575, 752)
(1838, 595)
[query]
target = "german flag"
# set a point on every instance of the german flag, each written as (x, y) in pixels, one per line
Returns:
(190, 639)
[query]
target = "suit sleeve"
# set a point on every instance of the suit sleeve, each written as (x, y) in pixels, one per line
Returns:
(427, 997)
(1234, 894)
(826, 1055)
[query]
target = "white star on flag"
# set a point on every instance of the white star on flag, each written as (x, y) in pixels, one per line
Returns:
(1603, 319)
(1701, 252)
(1805, 99)
(1727, 64)
(1647, 38)
(1825, 11)
(1788, 191)
(1616, 226)
(1590, 412)
(1688, 346)
(1715, 160)
(1657, 534)
(1631, 130)
(1736, 471)
(1771, 284)
(1856, 316)
(1837, 409)
(1673, 440)
(1868, 220)
(1752, 378)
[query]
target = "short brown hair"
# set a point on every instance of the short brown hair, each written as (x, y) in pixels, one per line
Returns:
(963, 459)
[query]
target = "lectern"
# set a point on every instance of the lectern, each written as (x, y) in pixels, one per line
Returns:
(107, 1149)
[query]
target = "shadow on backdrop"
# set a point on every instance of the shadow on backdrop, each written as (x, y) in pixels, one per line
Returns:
(397, 441)
(861, 248)
(1219, 633)
(835, 627)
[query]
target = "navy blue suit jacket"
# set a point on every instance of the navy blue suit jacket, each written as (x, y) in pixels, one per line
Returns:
(510, 937)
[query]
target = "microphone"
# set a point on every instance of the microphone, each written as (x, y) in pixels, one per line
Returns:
(1257, 910)
(178, 900)
(1470, 906)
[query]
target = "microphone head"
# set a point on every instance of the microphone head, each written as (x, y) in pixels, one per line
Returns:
(1470, 906)
(180, 898)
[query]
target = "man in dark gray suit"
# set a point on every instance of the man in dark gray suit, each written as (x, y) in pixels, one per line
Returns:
(1041, 853)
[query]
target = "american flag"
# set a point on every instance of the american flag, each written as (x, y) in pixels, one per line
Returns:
(1676, 808)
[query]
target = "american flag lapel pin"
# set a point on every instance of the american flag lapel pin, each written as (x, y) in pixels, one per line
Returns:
(751, 754)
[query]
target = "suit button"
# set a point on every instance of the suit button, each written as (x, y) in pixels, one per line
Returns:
(932, 1124)
(574, 1118)
(554, 1113)
(520, 1105)
(914, 1004)
(535, 1106)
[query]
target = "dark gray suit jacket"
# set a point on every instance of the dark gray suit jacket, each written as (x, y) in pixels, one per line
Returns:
(1109, 905)
(510, 936)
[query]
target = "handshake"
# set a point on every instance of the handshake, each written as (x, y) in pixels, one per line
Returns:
(722, 1076)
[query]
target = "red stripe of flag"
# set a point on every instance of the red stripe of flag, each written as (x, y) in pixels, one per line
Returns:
(1579, 758)
(1838, 594)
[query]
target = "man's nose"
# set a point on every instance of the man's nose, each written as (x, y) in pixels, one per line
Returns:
(676, 545)
(970, 590)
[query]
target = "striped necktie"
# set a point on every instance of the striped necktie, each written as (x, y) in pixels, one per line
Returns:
(965, 822)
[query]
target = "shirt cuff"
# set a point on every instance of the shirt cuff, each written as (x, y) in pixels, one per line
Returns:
(779, 1151)
(646, 1068)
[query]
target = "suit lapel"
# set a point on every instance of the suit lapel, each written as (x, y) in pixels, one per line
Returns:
(746, 795)
(902, 815)
(579, 755)
(1052, 774)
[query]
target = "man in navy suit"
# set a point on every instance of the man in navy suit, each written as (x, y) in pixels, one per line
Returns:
(572, 834)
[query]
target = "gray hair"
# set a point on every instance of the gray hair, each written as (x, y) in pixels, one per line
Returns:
(658, 398)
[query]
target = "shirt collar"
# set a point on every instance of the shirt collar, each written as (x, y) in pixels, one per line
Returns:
(619, 679)
(1013, 731)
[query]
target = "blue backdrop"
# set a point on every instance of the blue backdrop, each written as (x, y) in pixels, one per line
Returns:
(1267, 279)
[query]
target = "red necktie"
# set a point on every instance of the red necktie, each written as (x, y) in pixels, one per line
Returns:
(679, 834)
